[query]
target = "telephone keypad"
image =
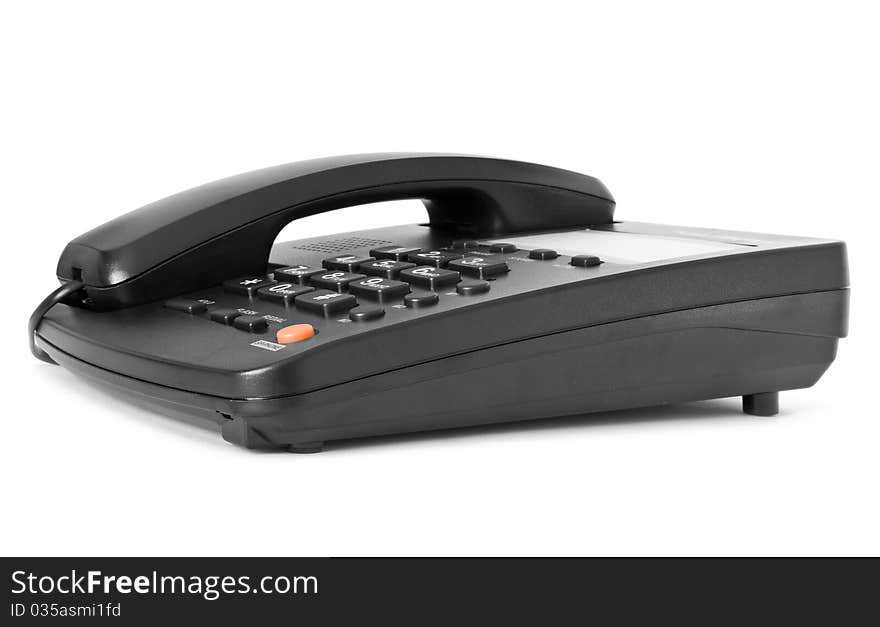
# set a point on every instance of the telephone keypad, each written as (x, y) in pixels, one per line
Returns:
(283, 293)
(297, 274)
(325, 302)
(337, 281)
(349, 263)
(389, 275)
(397, 253)
(388, 268)
(246, 286)
(479, 267)
(430, 277)
(377, 288)
(436, 258)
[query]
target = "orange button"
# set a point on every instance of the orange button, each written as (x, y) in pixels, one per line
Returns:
(295, 333)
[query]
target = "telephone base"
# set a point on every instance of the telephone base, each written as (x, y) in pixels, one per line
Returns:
(761, 404)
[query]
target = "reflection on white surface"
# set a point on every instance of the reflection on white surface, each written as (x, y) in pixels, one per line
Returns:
(621, 247)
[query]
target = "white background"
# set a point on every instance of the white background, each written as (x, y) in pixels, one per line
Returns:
(755, 116)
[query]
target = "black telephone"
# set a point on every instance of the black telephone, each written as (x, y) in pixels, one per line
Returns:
(521, 298)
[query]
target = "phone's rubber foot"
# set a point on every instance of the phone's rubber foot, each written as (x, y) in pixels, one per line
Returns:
(306, 447)
(761, 404)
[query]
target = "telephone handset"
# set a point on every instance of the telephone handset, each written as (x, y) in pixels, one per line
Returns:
(226, 228)
(521, 298)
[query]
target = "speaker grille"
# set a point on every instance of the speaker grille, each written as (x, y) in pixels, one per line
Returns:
(340, 245)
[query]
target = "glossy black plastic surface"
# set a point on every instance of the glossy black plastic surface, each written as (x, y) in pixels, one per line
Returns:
(185, 304)
(226, 228)
(536, 298)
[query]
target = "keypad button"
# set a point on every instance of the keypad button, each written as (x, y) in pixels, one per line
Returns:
(436, 258)
(254, 324)
(544, 254)
(349, 263)
(283, 293)
(471, 288)
(397, 253)
(502, 247)
(480, 267)
(246, 286)
(296, 274)
(464, 244)
(585, 261)
(224, 316)
(420, 299)
(325, 302)
(337, 281)
(295, 333)
(377, 288)
(432, 278)
(188, 305)
(387, 268)
(365, 313)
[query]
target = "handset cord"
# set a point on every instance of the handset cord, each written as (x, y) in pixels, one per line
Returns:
(71, 287)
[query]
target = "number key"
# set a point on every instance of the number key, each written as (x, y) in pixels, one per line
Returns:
(387, 268)
(479, 267)
(377, 288)
(436, 258)
(397, 253)
(297, 274)
(349, 263)
(337, 281)
(283, 293)
(432, 278)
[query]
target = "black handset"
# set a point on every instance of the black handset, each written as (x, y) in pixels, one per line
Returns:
(226, 228)
(521, 298)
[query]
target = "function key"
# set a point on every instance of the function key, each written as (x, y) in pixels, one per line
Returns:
(464, 244)
(502, 247)
(246, 286)
(365, 313)
(349, 263)
(224, 316)
(436, 258)
(282, 293)
(388, 268)
(480, 267)
(297, 274)
(472, 288)
(432, 278)
(295, 333)
(544, 254)
(336, 281)
(377, 288)
(585, 261)
(420, 299)
(187, 305)
(254, 324)
(397, 253)
(325, 302)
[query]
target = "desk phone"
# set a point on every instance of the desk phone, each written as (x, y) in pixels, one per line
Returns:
(521, 298)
